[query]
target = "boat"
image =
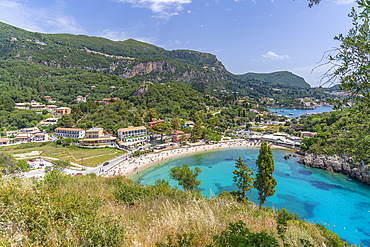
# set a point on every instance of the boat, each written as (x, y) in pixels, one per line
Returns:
(290, 113)
(281, 111)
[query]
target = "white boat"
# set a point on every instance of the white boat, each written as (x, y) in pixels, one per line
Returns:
(290, 113)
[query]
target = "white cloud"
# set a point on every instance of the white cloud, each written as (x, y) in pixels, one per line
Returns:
(162, 8)
(122, 35)
(344, 1)
(113, 35)
(47, 19)
(272, 55)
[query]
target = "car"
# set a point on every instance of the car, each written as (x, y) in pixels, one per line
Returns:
(78, 174)
(105, 163)
(41, 164)
(32, 160)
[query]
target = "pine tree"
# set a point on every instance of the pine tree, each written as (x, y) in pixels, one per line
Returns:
(175, 123)
(243, 179)
(264, 182)
(137, 120)
(197, 130)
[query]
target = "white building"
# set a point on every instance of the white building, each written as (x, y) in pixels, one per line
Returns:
(49, 121)
(41, 137)
(132, 136)
(70, 132)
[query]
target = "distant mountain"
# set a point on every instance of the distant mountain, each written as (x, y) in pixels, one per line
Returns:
(64, 66)
(282, 77)
(335, 88)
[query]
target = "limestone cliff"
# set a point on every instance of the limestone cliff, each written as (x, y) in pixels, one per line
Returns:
(337, 164)
(166, 70)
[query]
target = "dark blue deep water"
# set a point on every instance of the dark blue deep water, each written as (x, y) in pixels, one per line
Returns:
(334, 200)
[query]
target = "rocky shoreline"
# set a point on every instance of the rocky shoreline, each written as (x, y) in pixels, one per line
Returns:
(336, 164)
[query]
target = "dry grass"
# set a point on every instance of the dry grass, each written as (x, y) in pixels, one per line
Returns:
(151, 220)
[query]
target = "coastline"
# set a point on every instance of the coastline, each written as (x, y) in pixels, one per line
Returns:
(135, 165)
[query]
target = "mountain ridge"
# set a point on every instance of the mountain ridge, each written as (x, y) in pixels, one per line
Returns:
(205, 62)
(278, 77)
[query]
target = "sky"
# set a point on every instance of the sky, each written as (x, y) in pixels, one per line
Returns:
(246, 35)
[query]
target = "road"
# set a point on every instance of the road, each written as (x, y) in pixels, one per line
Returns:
(112, 163)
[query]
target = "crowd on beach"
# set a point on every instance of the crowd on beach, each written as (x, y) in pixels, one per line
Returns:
(134, 165)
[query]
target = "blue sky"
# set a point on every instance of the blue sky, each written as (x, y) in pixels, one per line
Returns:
(245, 35)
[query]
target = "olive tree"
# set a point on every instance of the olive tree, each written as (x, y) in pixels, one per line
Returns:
(186, 177)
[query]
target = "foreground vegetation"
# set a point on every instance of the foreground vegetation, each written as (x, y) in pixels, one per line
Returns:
(95, 211)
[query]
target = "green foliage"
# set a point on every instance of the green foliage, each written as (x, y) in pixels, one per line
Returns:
(281, 77)
(214, 121)
(236, 235)
(130, 194)
(137, 120)
(343, 132)
(264, 182)
(8, 165)
(239, 235)
(48, 217)
(6, 103)
(243, 179)
(139, 152)
(331, 238)
(186, 177)
(209, 135)
(282, 217)
(183, 240)
(162, 128)
(286, 215)
(175, 123)
(19, 119)
(351, 59)
(66, 121)
(197, 129)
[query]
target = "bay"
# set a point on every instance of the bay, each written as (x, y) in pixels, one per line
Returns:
(299, 112)
(334, 200)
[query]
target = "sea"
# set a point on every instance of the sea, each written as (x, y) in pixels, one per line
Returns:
(331, 199)
(299, 112)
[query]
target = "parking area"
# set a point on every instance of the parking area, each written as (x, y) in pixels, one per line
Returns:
(38, 163)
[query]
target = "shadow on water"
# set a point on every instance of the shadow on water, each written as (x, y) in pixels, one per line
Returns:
(225, 188)
(305, 172)
(296, 205)
(325, 186)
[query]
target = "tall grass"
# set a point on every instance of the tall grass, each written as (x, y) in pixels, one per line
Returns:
(96, 211)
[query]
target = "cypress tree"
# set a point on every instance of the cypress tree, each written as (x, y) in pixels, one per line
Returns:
(243, 179)
(265, 183)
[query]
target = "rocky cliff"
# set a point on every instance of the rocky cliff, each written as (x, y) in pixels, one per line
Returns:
(165, 70)
(337, 164)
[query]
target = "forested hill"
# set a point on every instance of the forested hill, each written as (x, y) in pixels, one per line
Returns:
(64, 66)
(281, 77)
(71, 51)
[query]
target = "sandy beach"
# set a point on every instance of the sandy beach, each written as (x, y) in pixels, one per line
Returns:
(134, 165)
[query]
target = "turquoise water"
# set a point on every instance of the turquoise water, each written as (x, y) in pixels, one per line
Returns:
(298, 112)
(316, 195)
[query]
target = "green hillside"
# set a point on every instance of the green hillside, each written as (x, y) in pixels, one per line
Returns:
(281, 77)
(74, 45)
(63, 66)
